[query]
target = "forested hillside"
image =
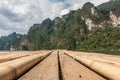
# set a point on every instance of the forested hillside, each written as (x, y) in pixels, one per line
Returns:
(6, 42)
(111, 5)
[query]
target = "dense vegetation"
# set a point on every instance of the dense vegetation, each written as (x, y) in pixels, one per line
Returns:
(111, 5)
(77, 38)
(7, 41)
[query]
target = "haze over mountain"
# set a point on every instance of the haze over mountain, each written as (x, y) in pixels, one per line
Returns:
(88, 28)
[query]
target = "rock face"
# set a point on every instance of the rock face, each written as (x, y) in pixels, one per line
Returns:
(90, 15)
(91, 25)
(115, 21)
(93, 11)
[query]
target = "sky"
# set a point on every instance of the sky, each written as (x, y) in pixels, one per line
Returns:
(19, 15)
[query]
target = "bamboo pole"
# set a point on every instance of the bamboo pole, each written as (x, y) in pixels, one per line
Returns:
(13, 69)
(107, 69)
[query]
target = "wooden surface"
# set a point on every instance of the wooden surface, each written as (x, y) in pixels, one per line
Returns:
(58, 65)
(72, 70)
(46, 70)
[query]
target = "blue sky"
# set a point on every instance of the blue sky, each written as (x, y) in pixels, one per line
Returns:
(19, 15)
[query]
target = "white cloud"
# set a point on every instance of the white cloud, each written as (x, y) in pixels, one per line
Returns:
(97, 2)
(19, 15)
(65, 11)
